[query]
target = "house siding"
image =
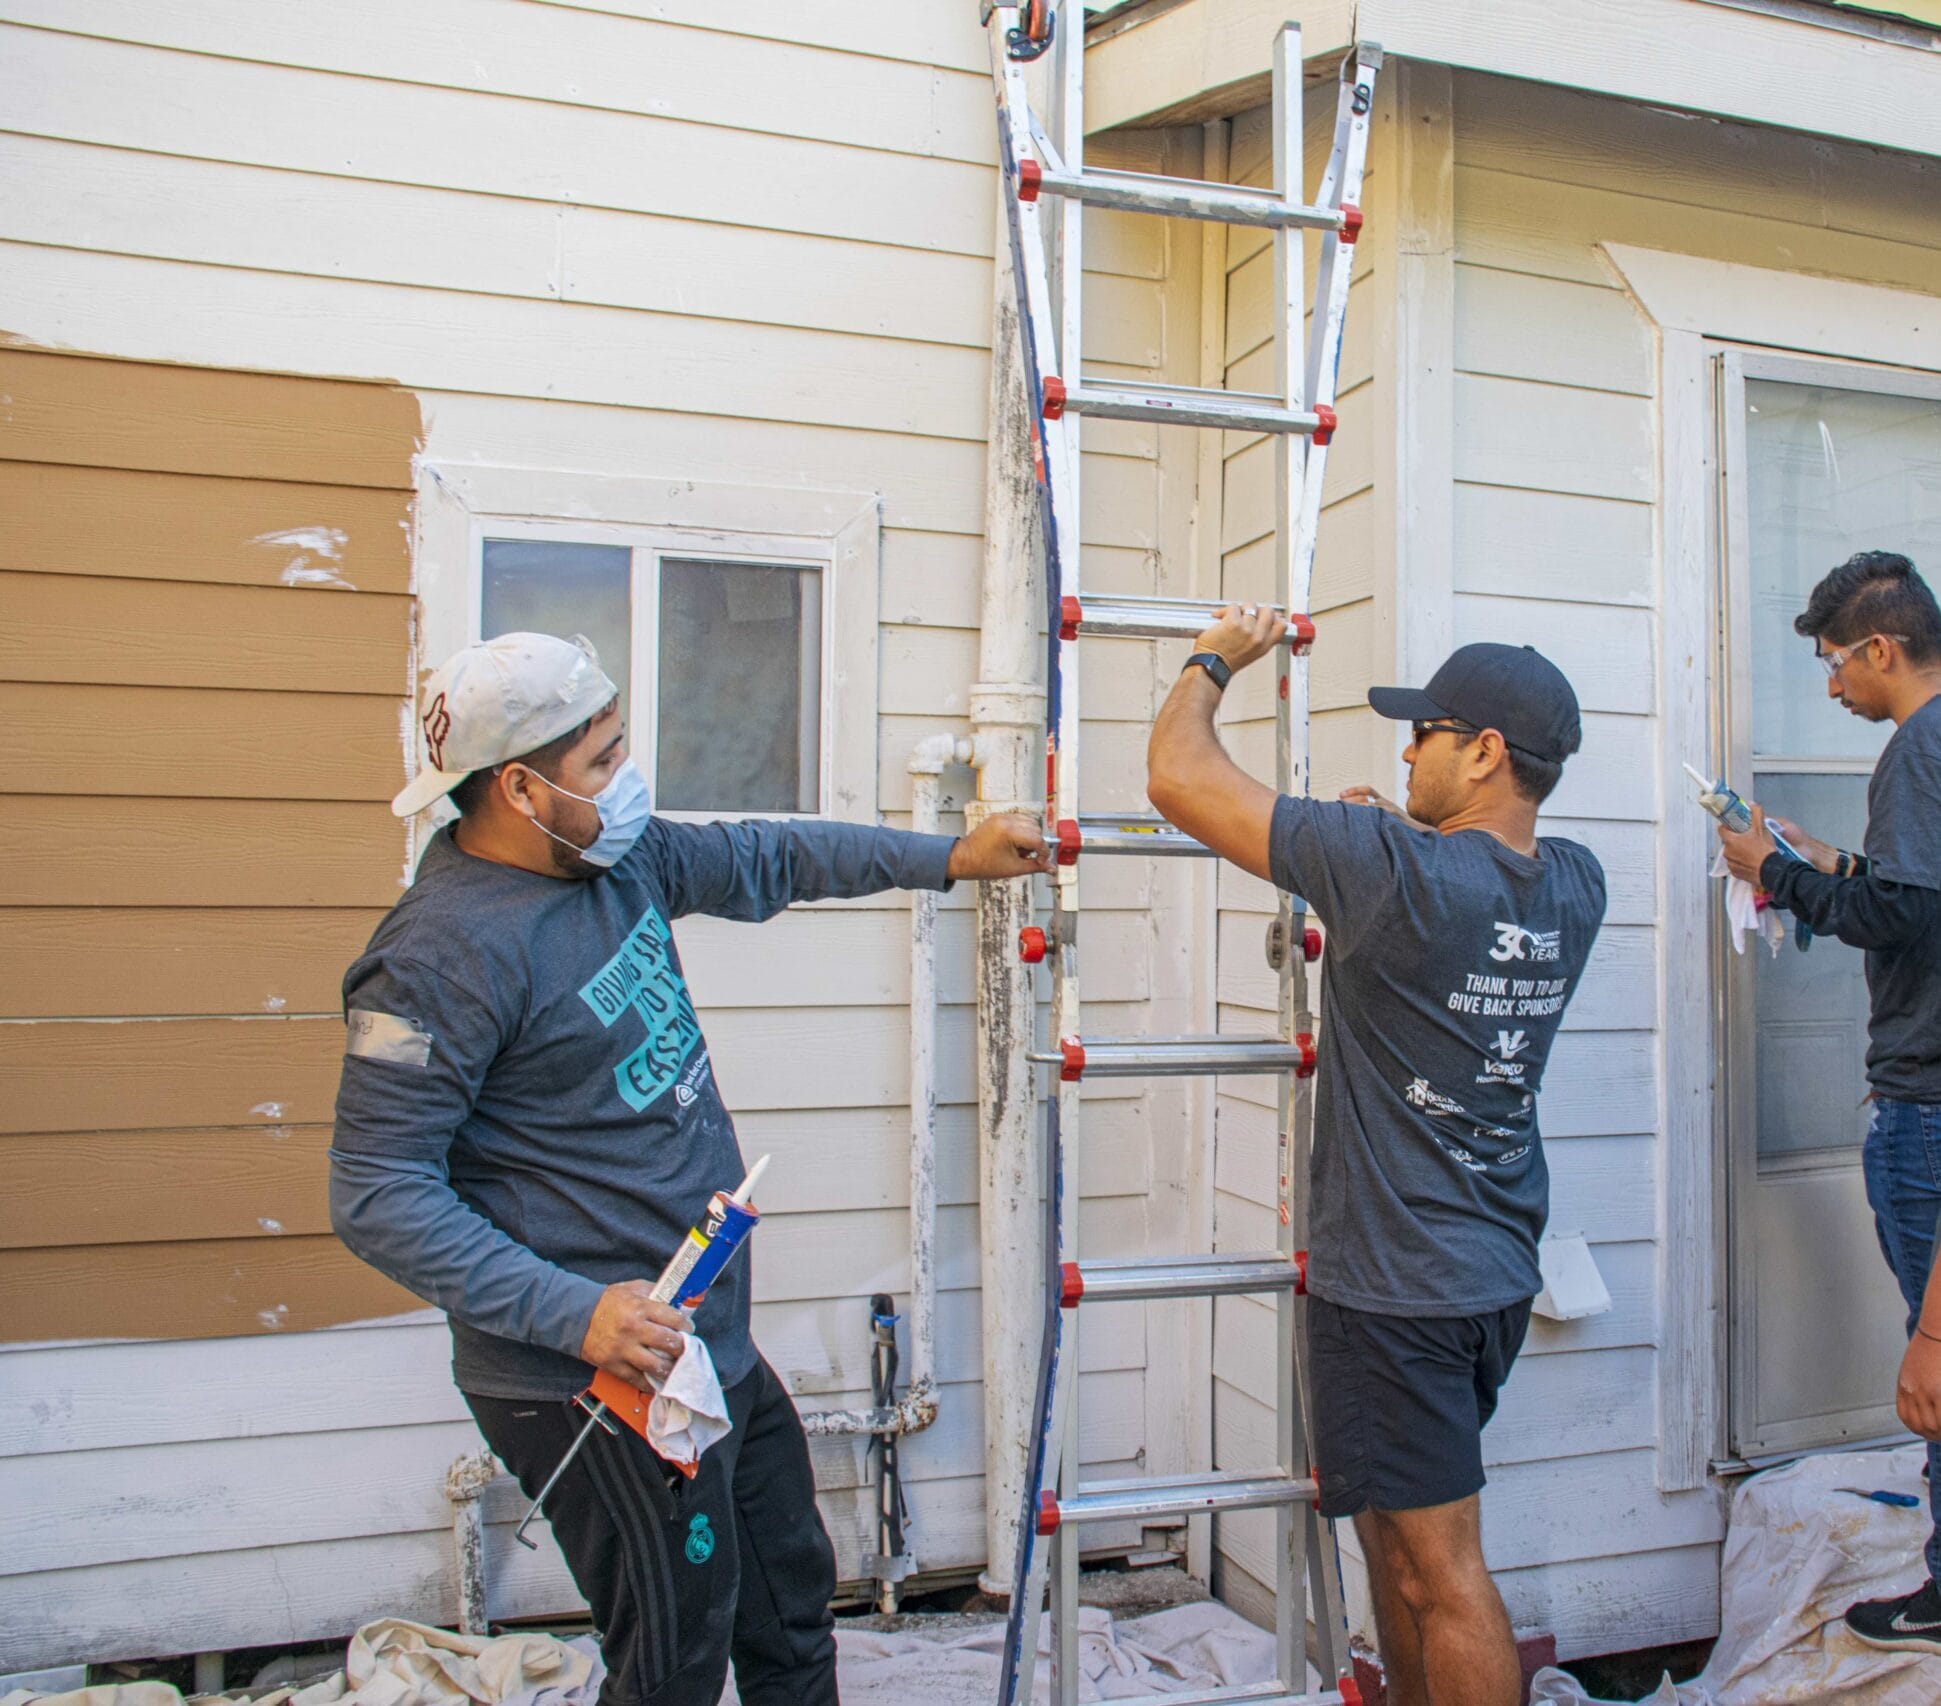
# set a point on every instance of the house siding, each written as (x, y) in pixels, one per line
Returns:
(1554, 471)
(624, 241)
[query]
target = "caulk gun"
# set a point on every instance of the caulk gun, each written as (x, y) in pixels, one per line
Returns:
(1726, 805)
(696, 1265)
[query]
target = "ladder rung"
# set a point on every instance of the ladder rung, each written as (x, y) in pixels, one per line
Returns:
(1181, 1276)
(1186, 198)
(1137, 1057)
(1186, 405)
(1189, 1495)
(1142, 834)
(1126, 617)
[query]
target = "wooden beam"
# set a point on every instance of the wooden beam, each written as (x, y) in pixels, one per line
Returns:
(1202, 60)
(1412, 233)
(1208, 59)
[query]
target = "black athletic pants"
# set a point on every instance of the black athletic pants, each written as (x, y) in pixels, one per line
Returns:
(684, 1575)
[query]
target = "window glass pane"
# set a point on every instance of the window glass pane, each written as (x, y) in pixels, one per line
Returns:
(740, 690)
(1811, 1038)
(553, 586)
(1829, 472)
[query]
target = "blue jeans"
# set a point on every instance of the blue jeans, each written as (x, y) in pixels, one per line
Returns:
(1902, 1164)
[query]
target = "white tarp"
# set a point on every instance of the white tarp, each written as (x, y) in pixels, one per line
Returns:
(1182, 1649)
(1798, 1552)
(395, 1663)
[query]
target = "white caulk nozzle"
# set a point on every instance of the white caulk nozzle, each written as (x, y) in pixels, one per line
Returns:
(747, 1187)
(1704, 782)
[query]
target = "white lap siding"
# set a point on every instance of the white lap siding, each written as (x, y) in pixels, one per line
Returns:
(1553, 463)
(649, 241)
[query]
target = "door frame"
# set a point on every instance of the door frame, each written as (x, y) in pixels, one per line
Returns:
(1735, 1035)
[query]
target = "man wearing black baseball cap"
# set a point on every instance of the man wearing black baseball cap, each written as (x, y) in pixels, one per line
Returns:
(1455, 937)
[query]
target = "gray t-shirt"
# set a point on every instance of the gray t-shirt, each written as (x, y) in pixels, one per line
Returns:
(1904, 846)
(1449, 961)
(527, 1112)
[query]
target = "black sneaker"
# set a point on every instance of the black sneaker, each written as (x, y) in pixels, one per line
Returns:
(1911, 1625)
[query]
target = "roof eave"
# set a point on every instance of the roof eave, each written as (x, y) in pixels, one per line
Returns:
(1786, 63)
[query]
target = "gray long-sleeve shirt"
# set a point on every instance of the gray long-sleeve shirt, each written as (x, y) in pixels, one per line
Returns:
(1893, 912)
(527, 1113)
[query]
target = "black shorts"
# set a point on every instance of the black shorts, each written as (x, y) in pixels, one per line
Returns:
(1400, 1402)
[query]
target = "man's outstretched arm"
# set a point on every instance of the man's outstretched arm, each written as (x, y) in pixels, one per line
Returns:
(752, 869)
(1190, 780)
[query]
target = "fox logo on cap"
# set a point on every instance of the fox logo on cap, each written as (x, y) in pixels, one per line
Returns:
(438, 724)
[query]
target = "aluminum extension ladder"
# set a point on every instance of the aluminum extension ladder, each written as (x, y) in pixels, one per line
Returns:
(1046, 187)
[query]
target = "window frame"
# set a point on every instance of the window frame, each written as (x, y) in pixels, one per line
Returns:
(839, 533)
(648, 548)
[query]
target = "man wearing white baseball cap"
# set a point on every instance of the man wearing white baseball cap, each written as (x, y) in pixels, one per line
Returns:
(527, 1124)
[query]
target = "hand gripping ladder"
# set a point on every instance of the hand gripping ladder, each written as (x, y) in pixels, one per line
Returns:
(1046, 187)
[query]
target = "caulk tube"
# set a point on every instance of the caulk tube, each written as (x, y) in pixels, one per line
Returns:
(1725, 804)
(1722, 802)
(710, 1247)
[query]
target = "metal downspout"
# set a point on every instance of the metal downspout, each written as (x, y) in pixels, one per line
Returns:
(917, 1408)
(1008, 713)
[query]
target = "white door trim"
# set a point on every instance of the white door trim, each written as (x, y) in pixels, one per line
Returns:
(1690, 299)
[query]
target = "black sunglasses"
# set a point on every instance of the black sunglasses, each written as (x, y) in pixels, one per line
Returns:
(1418, 730)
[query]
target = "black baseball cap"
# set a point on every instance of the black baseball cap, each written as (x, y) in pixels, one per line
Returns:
(1514, 690)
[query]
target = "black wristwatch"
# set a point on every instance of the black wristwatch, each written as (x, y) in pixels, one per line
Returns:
(1214, 665)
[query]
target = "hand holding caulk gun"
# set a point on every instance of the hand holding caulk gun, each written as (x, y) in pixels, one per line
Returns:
(1748, 838)
(703, 1254)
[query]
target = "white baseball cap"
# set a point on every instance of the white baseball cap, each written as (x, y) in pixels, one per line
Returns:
(501, 699)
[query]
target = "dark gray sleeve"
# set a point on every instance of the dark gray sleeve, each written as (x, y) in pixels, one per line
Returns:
(1339, 858)
(417, 1050)
(751, 870)
(1904, 805)
(1863, 912)
(404, 1218)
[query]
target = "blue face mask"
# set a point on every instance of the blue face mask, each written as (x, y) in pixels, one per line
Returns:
(624, 808)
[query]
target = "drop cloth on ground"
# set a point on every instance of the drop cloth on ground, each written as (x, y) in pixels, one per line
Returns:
(1798, 1552)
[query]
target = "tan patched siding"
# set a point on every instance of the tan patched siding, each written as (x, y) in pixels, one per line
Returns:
(206, 581)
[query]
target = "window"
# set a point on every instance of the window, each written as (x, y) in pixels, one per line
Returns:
(738, 621)
(719, 658)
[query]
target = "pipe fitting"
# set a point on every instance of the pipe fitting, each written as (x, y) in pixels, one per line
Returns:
(935, 754)
(1007, 704)
(910, 1414)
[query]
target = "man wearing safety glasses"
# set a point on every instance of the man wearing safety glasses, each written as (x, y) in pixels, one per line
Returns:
(1456, 935)
(1877, 633)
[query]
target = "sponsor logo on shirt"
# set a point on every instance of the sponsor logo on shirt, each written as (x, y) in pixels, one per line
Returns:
(1424, 1095)
(1513, 942)
(642, 979)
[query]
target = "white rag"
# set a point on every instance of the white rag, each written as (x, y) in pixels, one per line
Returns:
(688, 1414)
(1744, 913)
